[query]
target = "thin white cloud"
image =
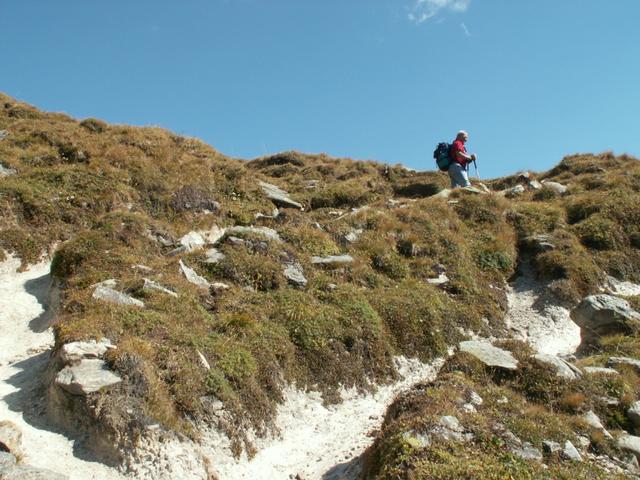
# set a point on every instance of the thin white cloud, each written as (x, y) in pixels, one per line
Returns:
(423, 10)
(465, 29)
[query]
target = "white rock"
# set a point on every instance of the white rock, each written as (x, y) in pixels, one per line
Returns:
(191, 276)
(219, 286)
(555, 186)
(488, 354)
(5, 171)
(75, 351)
(439, 280)
(617, 361)
(550, 446)
(192, 241)
(593, 421)
(444, 193)
(203, 360)
(214, 256)
(570, 452)
(6, 460)
(563, 369)
(88, 376)
(630, 443)
(108, 294)
(150, 285)
(475, 399)
(294, 273)
(535, 185)
(213, 235)
(278, 196)
(23, 472)
(333, 260)
(266, 232)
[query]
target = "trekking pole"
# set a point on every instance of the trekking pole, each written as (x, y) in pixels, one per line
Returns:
(476, 167)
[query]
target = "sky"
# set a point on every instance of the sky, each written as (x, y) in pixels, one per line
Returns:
(385, 80)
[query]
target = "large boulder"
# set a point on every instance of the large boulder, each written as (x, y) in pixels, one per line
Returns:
(489, 355)
(602, 314)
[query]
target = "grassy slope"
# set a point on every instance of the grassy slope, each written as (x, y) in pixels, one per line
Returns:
(103, 193)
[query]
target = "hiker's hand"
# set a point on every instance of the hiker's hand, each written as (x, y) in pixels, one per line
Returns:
(473, 156)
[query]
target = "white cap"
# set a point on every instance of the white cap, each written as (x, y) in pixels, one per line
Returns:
(462, 132)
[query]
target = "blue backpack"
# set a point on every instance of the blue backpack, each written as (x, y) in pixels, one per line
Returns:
(441, 154)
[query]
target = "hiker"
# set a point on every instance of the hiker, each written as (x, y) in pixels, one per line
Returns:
(460, 160)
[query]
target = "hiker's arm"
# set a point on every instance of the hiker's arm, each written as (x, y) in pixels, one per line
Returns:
(465, 156)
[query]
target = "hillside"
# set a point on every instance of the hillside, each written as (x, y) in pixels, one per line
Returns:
(212, 284)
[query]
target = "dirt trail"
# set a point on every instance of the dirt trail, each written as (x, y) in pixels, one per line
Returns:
(25, 343)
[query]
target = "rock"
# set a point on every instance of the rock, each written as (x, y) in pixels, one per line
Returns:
(192, 241)
(473, 190)
(539, 243)
(535, 185)
(449, 428)
(10, 438)
(600, 370)
(483, 187)
(551, 447)
(150, 285)
(142, 268)
(352, 236)
(416, 439)
(488, 354)
(634, 414)
(332, 260)
(555, 186)
(444, 193)
(603, 314)
(88, 376)
(30, 473)
(475, 399)
(294, 273)
(214, 256)
(617, 361)
(203, 360)
(563, 369)
(6, 460)
(266, 232)
(73, 352)
(278, 196)
(3, 134)
(439, 280)
(213, 235)
(235, 240)
(110, 295)
(593, 421)
(513, 191)
(570, 452)
(5, 171)
(177, 251)
(468, 408)
(191, 276)
(630, 443)
(527, 452)
(106, 283)
(219, 286)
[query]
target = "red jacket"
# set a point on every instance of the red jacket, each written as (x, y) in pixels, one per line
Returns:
(456, 147)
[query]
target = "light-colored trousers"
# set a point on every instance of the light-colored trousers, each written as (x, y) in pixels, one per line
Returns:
(459, 175)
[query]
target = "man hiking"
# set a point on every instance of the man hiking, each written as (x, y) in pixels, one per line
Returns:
(460, 160)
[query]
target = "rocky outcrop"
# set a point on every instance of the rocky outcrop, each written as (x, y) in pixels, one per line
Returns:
(555, 187)
(593, 421)
(630, 443)
(570, 452)
(489, 355)
(602, 314)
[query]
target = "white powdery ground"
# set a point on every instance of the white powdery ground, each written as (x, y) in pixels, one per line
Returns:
(316, 438)
(23, 360)
(534, 318)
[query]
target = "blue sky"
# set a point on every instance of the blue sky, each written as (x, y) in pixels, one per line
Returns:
(385, 80)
